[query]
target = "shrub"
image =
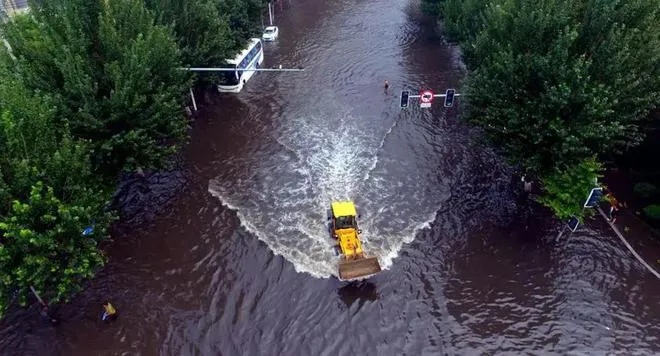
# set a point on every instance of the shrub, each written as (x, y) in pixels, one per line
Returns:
(653, 211)
(644, 189)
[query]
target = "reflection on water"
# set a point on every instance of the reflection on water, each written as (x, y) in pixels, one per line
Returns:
(361, 292)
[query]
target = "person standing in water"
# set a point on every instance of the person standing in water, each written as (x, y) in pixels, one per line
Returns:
(109, 312)
(46, 315)
(614, 207)
(386, 86)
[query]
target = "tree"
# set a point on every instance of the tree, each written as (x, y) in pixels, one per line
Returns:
(42, 246)
(244, 19)
(566, 191)
(432, 7)
(48, 195)
(91, 87)
(113, 75)
(202, 31)
(209, 31)
(463, 20)
(555, 82)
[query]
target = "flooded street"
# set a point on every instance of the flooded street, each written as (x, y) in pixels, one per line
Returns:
(242, 263)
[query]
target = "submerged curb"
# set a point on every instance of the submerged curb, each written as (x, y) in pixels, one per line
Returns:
(630, 248)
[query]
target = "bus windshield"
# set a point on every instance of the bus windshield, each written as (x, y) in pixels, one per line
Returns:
(228, 78)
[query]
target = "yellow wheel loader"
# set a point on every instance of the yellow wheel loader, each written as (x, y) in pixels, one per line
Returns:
(343, 227)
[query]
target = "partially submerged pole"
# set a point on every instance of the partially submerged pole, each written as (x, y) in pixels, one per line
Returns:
(37, 295)
(192, 96)
(628, 246)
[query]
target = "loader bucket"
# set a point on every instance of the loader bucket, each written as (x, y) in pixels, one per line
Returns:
(358, 268)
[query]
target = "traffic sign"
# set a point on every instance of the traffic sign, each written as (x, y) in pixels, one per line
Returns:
(425, 99)
(573, 223)
(594, 198)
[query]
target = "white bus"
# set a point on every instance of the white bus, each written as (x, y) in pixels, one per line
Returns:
(249, 58)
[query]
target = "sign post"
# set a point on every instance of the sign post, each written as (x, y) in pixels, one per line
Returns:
(573, 223)
(425, 98)
(593, 200)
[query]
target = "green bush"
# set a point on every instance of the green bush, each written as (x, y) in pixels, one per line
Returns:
(565, 190)
(653, 211)
(644, 189)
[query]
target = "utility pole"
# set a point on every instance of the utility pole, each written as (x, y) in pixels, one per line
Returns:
(37, 295)
(270, 13)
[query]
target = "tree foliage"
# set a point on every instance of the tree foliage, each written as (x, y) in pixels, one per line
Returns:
(244, 19)
(112, 73)
(42, 246)
(652, 211)
(432, 7)
(567, 190)
(463, 20)
(209, 31)
(91, 88)
(555, 82)
(202, 31)
(48, 195)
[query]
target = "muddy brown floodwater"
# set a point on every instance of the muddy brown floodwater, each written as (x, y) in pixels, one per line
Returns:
(241, 264)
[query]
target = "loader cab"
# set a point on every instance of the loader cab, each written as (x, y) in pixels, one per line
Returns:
(343, 216)
(345, 222)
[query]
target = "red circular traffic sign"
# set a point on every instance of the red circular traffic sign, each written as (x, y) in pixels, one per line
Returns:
(426, 96)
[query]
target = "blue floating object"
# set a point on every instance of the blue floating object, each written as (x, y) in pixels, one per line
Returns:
(88, 231)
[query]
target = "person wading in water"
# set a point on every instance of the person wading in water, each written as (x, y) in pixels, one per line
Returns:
(109, 312)
(614, 207)
(46, 315)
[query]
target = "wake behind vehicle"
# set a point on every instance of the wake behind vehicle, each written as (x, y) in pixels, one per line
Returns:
(343, 227)
(250, 58)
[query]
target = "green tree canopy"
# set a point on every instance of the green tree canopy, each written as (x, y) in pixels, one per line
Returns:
(209, 31)
(202, 31)
(91, 88)
(113, 74)
(432, 7)
(48, 195)
(556, 82)
(551, 89)
(244, 19)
